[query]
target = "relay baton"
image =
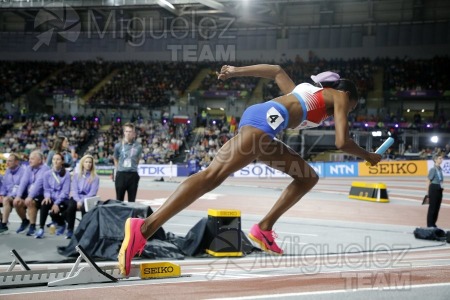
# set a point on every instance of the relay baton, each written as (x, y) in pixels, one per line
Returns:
(387, 143)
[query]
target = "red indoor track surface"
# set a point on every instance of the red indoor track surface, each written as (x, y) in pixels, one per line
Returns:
(325, 217)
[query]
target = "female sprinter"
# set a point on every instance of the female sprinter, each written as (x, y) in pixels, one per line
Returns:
(302, 106)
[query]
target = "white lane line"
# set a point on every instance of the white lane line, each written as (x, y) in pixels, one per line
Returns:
(273, 296)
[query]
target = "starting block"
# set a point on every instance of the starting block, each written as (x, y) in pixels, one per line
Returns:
(91, 273)
(223, 233)
(374, 192)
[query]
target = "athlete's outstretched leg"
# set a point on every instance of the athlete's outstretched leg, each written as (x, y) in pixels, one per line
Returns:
(234, 155)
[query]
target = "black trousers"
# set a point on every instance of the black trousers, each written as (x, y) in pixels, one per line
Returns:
(127, 182)
(435, 194)
(67, 213)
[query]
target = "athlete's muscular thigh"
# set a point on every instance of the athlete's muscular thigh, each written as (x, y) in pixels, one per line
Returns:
(283, 158)
(240, 150)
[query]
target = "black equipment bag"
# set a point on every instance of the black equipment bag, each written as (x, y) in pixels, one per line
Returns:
(431, 233)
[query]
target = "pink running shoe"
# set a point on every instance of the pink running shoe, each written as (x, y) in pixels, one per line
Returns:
(133, 243)
(265, 239)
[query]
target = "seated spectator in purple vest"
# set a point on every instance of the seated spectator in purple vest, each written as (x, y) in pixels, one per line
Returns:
(31, 192)
(56, 198)
(85, 182)
(9, 187)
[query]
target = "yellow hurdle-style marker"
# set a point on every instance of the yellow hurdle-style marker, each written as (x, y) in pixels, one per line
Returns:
(159, 270)
(374, 192)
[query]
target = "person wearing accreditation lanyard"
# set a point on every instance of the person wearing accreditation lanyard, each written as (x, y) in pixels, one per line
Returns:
(10, 185)
(127, 154)
(56, 198)
(435, 190)
(85, 183)
(31, 192)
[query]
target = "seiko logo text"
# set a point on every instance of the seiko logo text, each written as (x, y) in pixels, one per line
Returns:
(158, 270)
(399, 168)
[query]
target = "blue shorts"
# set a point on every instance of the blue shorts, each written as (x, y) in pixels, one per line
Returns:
(271, 117)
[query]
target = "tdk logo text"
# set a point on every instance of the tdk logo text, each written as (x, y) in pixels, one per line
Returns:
(157, 170)
(148, 171)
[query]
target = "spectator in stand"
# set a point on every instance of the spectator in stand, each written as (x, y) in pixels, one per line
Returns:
(85, 183)
(9, 187)
(62, 146)
(193, 165)
(447, 150)
(31, 192)
(56, 198)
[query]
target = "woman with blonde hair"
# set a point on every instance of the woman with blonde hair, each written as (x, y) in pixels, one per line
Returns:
(85, 182)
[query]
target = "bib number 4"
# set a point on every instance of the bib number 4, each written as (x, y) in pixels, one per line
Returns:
(274, 118)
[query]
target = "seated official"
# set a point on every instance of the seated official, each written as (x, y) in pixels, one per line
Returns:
(9, 187)
(31, 192)
(56, 198)
(85, 182)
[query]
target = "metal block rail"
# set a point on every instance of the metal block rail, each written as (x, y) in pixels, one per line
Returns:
(91, 273)
(58, 277)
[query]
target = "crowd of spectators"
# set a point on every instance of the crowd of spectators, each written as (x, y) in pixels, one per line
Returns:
(410, 153)
(415, 74)
(359, 70)
(207, 142)
(161, 142)
(241, 84)
(41, 133)
(151, 84)
(144, 83)
(138, 83)
(77, 78)
(18, 77)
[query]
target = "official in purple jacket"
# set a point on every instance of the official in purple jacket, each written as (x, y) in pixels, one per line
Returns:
(85, 183)
(31, 192)
(56, 198)
(10, 185)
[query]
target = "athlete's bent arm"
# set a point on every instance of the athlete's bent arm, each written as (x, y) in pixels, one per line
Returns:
(274, 72)
(343, 141)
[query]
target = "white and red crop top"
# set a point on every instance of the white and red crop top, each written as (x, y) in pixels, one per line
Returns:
(313, 105)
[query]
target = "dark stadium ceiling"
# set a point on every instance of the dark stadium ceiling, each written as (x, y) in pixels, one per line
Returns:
(254, 13)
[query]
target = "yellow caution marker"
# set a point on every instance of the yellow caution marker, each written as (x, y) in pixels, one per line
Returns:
(159, 270)
(374, 192)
